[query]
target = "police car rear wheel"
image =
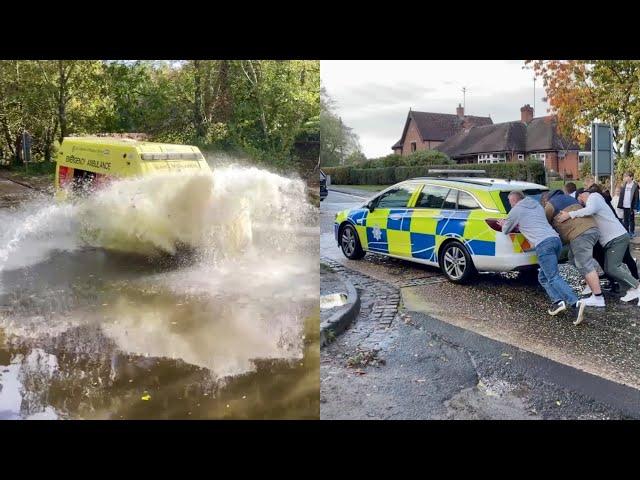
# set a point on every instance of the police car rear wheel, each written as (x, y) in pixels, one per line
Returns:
(350, 243)
(456, 263)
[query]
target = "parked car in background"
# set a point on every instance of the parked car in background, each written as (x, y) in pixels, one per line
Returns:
(323, 186)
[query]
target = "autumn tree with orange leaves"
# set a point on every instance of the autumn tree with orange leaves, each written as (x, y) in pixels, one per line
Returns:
(582, 91)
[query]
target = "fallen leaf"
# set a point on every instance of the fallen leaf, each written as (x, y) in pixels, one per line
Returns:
(558, 402)
(145, 397)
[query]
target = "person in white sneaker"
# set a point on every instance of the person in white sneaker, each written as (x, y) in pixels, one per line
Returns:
(613, 238)
(581, 234)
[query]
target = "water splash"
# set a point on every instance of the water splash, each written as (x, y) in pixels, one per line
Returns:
(244, 295)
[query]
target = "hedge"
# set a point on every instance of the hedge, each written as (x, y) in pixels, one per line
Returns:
(531, 171)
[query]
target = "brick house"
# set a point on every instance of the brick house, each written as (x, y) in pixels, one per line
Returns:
(537, 138)
(426, 130)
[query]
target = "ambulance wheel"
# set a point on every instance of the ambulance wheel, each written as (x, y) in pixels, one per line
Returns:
(350, 243)
(456, 263)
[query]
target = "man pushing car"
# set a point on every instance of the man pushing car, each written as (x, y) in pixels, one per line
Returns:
(528, 215)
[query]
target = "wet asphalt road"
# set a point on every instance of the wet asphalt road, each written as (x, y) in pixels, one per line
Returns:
(501, 310)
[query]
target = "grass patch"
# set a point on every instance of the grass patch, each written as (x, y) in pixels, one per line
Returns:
(35, 169)
(558, 184)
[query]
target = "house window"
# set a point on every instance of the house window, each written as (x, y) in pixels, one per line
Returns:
(492, 158)
(543, 156)
(521, 156)
(413, 146)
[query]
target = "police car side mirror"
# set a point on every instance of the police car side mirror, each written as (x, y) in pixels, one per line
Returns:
(371, 206)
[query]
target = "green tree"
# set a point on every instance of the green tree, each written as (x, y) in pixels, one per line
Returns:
(583, 91)
(337, 141)
(427, 157)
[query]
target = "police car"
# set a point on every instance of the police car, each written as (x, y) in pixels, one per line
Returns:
(451, 223)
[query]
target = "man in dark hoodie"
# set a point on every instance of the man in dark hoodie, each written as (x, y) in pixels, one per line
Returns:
(528, 215)
(581, 234)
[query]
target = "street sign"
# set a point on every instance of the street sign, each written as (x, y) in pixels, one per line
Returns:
(26, 147)
(602, 159)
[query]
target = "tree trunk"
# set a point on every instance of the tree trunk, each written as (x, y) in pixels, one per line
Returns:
(62, 102)
(223, 99)
(627, 148)
(198, 117)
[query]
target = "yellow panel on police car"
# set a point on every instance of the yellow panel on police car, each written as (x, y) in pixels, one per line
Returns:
(477, 229)
(362, 235)
(424, 221)
(399, 242)
(377, 218)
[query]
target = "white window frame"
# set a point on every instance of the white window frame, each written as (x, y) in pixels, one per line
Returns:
(521, 157)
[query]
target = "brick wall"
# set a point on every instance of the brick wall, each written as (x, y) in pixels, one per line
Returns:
(569, 165)
(413, 135)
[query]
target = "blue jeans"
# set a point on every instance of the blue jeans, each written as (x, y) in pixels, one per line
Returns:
(549, 277)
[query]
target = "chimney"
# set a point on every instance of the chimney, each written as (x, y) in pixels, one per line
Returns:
(460, 111)
(526, 114)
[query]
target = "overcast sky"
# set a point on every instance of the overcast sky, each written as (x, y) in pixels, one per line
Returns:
(373, 97)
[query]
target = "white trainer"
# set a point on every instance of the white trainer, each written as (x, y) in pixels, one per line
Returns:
(594, 301)
(581, 305)
(586, 291)
(632, 294)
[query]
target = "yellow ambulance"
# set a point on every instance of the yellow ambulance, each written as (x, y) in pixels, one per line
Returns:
(86, 163)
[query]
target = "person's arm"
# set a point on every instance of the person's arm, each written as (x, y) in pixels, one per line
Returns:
(594, 204)
(510, 222)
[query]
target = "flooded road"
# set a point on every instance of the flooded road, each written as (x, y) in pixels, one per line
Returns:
(225, 328)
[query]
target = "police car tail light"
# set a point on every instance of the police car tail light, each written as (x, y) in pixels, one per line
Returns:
(493, 223)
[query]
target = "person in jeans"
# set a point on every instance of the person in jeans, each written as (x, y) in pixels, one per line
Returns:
(599, 254)
(528, 215)
(628, 202)
(613, 238)
(581, 234)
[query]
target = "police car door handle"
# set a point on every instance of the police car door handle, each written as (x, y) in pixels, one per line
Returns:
(395, 216)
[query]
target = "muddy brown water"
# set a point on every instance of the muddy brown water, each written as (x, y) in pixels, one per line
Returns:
(88, 333)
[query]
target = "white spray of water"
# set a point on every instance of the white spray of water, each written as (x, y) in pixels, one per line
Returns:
(251, 231)
(159, 214)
